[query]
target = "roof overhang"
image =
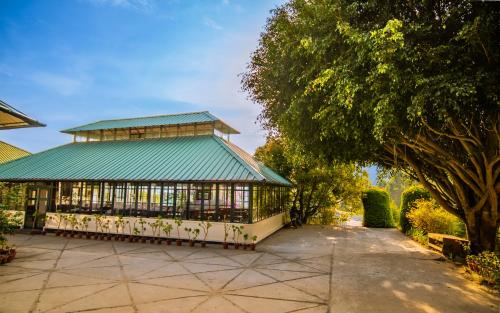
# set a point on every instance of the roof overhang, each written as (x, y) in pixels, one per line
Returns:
(11, 118)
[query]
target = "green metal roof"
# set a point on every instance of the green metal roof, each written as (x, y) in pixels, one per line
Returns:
(9, 152)
(198, 158)
(159, 120)
(12, 118)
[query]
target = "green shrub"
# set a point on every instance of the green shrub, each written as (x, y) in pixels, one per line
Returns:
(419, 236)
(427, 216)
(377, 212)
(487, 265)
(409, 196)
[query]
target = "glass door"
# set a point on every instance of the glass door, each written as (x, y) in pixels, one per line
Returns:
(36, 207)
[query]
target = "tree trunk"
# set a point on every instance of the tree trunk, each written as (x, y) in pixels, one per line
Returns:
(481, 231)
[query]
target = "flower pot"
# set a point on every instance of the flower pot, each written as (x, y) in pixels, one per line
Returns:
(178, 242)
(117, 238)
(151, 241)
(130, 239)
(245, 246)
(191, 243)
(225, 245)
(158, 241)
(203, 244)
(236, 246)
(58, 233)
(122, 238)
(88, 236)
(252, 246)
(143, 240)
(169, 242)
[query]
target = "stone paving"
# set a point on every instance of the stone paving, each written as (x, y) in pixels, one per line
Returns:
(310, 270)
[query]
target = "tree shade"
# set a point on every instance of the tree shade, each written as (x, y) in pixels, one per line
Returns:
(411, 85)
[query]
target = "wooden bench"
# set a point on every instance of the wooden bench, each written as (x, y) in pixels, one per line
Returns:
(449, 246)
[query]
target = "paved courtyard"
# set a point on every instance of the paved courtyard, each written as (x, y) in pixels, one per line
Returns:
(309, 270)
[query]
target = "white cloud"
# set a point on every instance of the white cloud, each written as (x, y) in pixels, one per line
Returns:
(145, 5)
(58, 83)
(211, 23)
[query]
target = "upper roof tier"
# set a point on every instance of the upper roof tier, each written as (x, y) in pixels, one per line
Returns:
(194, 118)
(11, 118)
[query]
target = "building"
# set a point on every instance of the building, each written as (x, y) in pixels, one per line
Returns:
(174, 166)
(11, 118)
(13, 195)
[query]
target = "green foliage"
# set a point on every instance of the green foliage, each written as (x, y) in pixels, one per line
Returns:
(377, 212)
(419, 236)
(409, 196)
(8, 224)
(486, 264)
(428, 217)
(319, 185)
(410, 85)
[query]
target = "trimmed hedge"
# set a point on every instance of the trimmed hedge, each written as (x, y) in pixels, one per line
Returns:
(409, 196)
(377, 211)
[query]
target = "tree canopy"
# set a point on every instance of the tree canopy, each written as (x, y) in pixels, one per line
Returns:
(411, 85)
(319, 186)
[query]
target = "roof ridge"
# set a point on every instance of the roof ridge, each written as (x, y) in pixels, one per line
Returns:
(235, 155)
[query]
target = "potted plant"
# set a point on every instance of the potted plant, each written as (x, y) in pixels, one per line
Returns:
(98, 225)
(188, 232)
(236, 235)
(119, 223)
(142, 222)
(196, 233)
(131, 232)
(66, 222)
(105, 229)
(225, 245)
(7, 226)
(245, 238)
(85, 225)
(73, 222)
(58, 218)
(205, 226)
(125, 222)
(156, 230)
(178, 222)
(136, 234)
(167, 229)
(254, 240)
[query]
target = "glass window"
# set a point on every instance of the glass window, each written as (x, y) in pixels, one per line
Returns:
(241, 203)
(168, 200)
(95, 197)
(196, 196)
(64, 196)
(119, 200)
(142, 199)
(209, 201)
(131, 199)
(76, 192)
(107, 198)
(155, 197)
(153, 132)
(224, 202)
(181, 200)
(255, 203)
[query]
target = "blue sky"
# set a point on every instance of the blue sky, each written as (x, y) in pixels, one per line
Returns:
(67, 63)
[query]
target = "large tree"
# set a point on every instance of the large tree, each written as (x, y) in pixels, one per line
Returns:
(410, 85)
(318, 186)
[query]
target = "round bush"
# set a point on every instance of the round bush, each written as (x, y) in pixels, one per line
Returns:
(377, 212)
(409, 196)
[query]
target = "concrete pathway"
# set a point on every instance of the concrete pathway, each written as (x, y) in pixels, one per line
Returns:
(309, 270)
